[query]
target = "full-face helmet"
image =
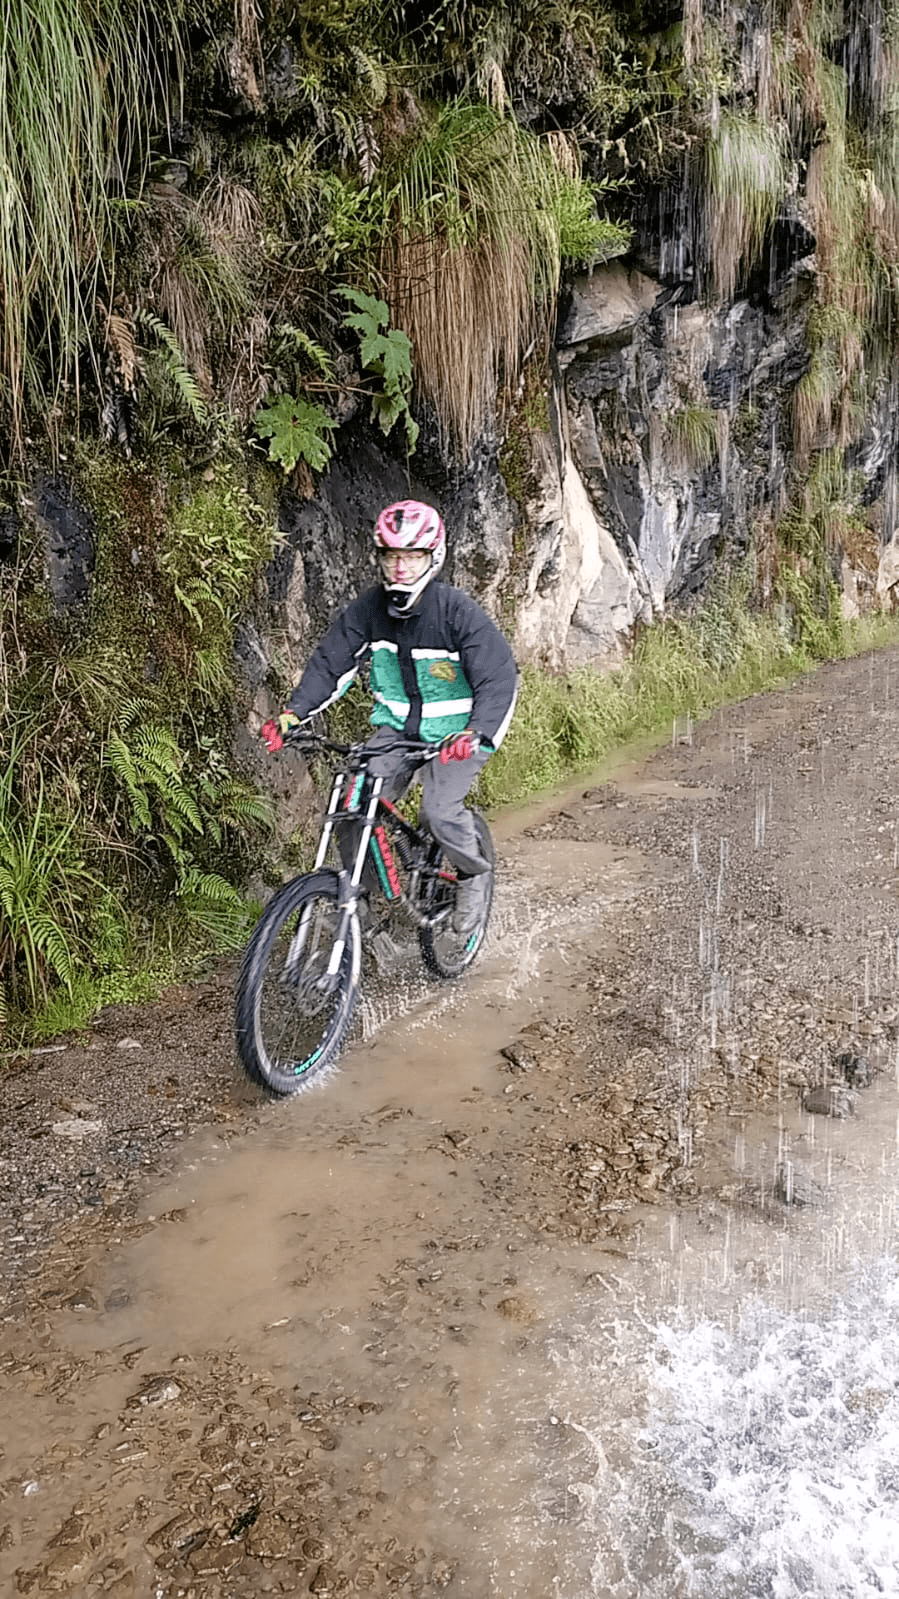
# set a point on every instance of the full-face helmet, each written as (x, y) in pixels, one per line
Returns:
(410, 542)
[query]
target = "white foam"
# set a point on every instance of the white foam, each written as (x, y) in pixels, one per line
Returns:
(781, 1442)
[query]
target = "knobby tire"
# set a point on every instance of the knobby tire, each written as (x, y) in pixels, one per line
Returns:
(446, 953)
(290, 1032)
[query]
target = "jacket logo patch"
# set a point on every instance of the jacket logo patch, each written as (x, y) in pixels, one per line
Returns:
(445, 670)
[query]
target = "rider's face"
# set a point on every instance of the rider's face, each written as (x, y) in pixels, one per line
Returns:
(404, 566)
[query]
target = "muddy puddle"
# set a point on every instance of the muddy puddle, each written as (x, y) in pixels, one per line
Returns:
(343, 1256)
(557, 1286)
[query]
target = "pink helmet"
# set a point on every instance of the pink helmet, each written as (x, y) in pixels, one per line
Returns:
(410, 525)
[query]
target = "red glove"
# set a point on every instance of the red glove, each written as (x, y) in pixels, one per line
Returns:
(459, 746)
(275, 731)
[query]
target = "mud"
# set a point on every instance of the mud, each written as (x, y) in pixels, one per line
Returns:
(318, 1346)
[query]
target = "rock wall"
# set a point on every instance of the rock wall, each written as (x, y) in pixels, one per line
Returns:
(667, 445)
(622, 516)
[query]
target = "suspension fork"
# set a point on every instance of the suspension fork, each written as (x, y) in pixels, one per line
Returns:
(328, 824)
(348, 882)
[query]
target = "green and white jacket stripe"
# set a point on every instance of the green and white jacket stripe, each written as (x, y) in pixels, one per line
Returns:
(443, 668)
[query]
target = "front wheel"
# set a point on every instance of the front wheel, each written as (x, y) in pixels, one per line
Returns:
(296, 990)
(445, 952)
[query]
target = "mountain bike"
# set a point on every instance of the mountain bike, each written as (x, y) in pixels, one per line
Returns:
(301, 973)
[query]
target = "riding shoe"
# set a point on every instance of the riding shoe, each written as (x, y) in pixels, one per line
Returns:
(471, 899)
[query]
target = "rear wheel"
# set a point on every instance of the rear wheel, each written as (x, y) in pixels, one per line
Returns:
(445, 952)
(292, 1012)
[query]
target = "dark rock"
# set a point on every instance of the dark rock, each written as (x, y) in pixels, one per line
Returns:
(856, 1069)
(518, 1059)
(82, 1299)
(161, 1390)
(832, 1099)
(68, 540)
(9, 534)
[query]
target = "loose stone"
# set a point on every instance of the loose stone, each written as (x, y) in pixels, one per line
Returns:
(831, 1100)
(159, 1391)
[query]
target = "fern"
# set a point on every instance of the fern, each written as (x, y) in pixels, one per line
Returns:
(186, 807)
(130, 709)
(53, 945)
(243, 805)
(304, 345)
(150, 772)
(213, 904)
(159, 754)
(123, 346)
(119, 760)
(183, 378)
(211, 886)
(44, 885)
(372, 74)
(368, 151)
(213, 549)
(194, 594)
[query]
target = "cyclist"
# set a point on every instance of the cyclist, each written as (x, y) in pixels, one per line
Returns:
(439, 670)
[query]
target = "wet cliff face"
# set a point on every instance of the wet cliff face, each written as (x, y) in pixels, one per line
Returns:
(666, 443)
(665, 446)
(673, 446)
(667, 437)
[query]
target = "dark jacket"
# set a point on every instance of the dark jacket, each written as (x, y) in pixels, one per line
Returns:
(442, 668)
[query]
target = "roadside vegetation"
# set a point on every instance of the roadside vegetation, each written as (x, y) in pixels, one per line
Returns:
(124, 831)
(679, 671)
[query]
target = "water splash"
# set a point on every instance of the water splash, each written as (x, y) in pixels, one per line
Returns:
(783, 1441)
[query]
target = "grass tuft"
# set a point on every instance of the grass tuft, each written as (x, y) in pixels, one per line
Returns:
(480, 217)
(79, 87)
(746, 178)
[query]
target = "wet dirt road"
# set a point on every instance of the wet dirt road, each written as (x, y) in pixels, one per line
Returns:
(392, 1336)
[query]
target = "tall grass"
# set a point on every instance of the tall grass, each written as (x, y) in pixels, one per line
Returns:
(480, 215)
(724, 652)
(746, 179)
(693, 435)
(79, 87)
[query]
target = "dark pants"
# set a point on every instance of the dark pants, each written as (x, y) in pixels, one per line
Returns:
(443, 810)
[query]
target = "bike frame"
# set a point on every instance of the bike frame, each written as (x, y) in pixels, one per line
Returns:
(358, 795)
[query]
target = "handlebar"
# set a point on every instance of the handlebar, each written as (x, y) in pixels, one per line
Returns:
(306, 738)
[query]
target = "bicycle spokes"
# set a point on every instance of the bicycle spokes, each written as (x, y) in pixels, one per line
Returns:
(298, 984)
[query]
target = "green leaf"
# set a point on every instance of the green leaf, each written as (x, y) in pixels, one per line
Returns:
(296, 431)
(387, 356)
(373, 350)
(397, 366)
(377, 310)
(386, 408)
